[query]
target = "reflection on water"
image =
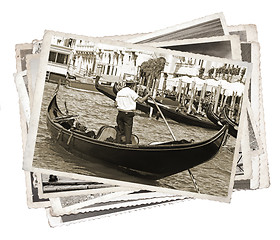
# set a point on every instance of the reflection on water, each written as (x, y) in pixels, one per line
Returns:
(95, 110)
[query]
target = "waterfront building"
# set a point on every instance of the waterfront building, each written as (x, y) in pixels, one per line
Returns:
(102, 59)
(86, 59)
(60, 55)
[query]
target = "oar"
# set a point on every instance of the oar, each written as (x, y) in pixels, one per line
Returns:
(66, 108)
(163, 118)
(158, 108)
(193, 180)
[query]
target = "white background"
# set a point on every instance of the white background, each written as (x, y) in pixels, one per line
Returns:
(251, 214)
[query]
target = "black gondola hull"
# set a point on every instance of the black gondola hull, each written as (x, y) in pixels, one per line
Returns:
(233, 126)
(212, 116)
(222, 119)
(188, 119)
(151, 161)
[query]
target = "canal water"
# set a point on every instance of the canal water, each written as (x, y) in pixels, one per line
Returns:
(96, 110)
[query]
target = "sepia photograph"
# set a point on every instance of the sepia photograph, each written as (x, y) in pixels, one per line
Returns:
(211, 42)
(223, 46)
(177, 130)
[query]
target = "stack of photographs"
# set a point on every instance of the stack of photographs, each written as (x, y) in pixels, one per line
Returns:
(200, 135)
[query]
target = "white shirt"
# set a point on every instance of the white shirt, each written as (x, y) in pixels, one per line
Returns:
(126, 99)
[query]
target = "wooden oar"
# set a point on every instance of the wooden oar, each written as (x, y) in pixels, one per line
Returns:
(158, 108)
(163, 118)
(66, 108)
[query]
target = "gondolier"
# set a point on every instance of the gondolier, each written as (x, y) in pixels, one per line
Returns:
(126, 104)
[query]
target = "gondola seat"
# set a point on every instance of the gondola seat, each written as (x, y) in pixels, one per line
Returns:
(109, 134)
(67, 123)
(70, 123)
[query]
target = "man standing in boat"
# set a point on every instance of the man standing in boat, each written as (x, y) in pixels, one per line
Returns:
(126, 104)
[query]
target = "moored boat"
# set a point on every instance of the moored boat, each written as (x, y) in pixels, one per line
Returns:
(222, 119)
(233, 126)
(81, 86)
(213, 117)
(189, 119)
(153, 161)
(169, 112)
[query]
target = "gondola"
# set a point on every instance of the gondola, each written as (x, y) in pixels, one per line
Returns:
(222, 119)
(153, 161)
(189, 119)
(81, 86)
(233, 126)
(212, 116)
(169, 112)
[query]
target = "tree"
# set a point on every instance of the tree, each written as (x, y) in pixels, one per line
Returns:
(201, 72)
(211, 72)
(151, 70)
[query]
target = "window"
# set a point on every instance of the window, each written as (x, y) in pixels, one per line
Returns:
(61, 58)
(52, 56)
(58, 57)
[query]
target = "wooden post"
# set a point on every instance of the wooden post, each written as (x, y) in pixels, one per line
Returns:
(179, 90)
(151, 109)
(239, 109)
(224, 102)
(187, 89)
(149, 81)
(222, 99)
(183, 96)
(151, 112)
(217, 97)
(164, 82)
(140, 85)
(192, 96)
(155, 88)
(213, 90)
(232, 104)
(201, 97)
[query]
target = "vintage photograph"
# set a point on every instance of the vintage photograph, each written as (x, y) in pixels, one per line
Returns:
(222, 46)
(88, 203)
(178, 131)
(204, 27)
(250, 51)
(92, 214)
(227, 46)
(48, 187)
(53, 185)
